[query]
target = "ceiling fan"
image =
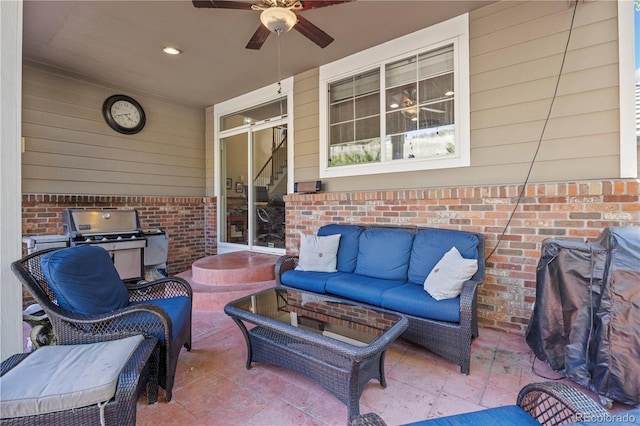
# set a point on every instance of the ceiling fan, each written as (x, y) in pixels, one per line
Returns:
(278, 17)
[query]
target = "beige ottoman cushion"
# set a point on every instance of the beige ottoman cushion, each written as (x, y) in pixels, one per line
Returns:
(60, 378)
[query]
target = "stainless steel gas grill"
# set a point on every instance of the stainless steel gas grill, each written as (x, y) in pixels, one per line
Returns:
(117, 231)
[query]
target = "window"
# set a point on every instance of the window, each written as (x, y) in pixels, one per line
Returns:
(403, 105)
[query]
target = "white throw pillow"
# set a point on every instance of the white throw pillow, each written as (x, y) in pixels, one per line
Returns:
(447, 277)
(318, 254)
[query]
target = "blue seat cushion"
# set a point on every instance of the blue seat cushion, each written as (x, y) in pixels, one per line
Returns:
(429, 245)
(84, 280)
(360, 288)
(306, 280)
(413, 300)
(178, 308)
(507, 415)
(348, 248)
(384, 253)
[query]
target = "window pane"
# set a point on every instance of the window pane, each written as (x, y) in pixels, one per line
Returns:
(368, 128)
(341, 133)
(367, 106)
(425, 143)
(435, 62)
(362, 152)
(342, 111)
(401, 97)
(401, 121)
(354, 119)
(273, 109)
(367, 83)
(401, 72)
(436, 88)
(341, 90)
(436, 114)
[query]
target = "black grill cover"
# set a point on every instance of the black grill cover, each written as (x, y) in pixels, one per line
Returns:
(586, 319)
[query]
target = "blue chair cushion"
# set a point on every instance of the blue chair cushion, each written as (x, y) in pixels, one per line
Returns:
(178, 308)
(84, 280)
(507, 415)
(384, 253)
(413, 300)
(429, 245)
(348, 248)
(358, 287)
(305, 280)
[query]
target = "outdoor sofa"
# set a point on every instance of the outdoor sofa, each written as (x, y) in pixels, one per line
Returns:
(387, 267)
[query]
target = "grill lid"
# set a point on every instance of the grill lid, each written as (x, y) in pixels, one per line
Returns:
(86, 222)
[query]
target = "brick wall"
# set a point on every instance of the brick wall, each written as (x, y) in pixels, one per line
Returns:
(561, 210)
(184, 218)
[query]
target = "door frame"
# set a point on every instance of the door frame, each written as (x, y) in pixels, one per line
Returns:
(252, 99)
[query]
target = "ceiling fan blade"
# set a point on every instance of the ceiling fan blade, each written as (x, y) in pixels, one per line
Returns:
(222, 4)
(258, 38)
(312, 4)
(312, 32)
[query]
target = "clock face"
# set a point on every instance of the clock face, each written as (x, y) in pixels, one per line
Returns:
(123, 114)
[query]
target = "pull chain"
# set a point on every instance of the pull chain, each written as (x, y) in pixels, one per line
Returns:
(279, 78)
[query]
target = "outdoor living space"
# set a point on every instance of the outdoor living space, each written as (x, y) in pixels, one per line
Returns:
(513, 120)
(213, 387)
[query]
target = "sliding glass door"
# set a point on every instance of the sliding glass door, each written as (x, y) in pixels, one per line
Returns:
(253, 177)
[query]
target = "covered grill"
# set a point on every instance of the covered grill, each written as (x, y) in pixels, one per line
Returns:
(117, 231)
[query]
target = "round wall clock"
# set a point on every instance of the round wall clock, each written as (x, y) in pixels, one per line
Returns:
(123, 114)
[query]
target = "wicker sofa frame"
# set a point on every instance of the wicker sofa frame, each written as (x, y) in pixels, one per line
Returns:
(450, 340)
(147, 319)
(140, 372)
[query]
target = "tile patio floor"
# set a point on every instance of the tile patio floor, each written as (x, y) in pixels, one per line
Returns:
(213, 387)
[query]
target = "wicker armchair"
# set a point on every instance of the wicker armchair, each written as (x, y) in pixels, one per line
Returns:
(149, 312)
(549, 404)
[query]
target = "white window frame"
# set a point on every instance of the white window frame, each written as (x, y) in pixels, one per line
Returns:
(454, 31)
(626, 54)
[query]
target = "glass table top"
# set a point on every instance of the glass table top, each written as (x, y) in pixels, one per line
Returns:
(348, 322)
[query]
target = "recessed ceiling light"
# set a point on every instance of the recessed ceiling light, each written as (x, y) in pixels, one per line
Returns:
(171, 50)
(394, 105)
(449, 93)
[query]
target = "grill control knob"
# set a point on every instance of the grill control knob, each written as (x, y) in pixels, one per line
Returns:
(88, 239)
(119, 237)
(104, 239)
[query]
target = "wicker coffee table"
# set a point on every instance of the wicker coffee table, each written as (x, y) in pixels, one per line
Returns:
(338, 344)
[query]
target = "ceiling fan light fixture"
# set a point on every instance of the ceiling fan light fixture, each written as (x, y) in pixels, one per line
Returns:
(278, 19)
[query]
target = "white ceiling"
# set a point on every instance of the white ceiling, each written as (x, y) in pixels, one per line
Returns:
(120, 42)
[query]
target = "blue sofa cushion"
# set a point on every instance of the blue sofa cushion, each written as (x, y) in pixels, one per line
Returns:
(178, 308)
(429, 245)
(384, 253)
(304, 280)
(507, 415)
(348, 248)
(413, 300)
(84, 280)
(360, 288)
